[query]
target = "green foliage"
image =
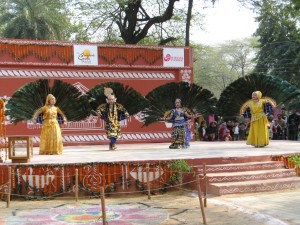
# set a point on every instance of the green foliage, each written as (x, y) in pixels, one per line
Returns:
(279, 37)
(34, 19)
(135, 22)
(216, 67)
(295, 159)
(178, 166)
(162, 98)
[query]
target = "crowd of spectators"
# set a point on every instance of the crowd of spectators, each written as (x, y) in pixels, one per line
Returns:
(281, 127)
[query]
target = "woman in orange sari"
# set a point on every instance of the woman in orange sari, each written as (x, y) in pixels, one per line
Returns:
(51, 138)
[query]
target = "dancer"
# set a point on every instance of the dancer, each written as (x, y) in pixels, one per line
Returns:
(258, 133)
(181, 134)
(51, 138)
(112, 112)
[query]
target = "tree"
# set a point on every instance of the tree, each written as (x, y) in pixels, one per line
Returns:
(136, 21)
(188, 23)
(216, 67)
(211, 70)
(34, 19)
(279, 37)
(240, 55)
(133, 20)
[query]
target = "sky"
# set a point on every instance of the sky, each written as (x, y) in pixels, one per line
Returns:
(227, 20)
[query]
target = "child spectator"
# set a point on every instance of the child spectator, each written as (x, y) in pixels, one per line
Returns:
(242, 131)
(236, 131)
(222, 131)
(277, 131)
(227, 136)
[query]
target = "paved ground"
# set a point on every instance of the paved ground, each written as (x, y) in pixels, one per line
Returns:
(173, 208)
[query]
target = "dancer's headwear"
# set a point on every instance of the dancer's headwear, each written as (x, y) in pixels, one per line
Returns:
(49, 96)
(109, 93)
(259, 94)
(178, 100)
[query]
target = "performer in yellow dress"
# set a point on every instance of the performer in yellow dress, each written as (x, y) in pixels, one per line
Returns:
(51, 138)
(258, 133)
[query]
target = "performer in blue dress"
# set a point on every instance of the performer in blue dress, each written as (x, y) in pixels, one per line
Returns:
(181, 134)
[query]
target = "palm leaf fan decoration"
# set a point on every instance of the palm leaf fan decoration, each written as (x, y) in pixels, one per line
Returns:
(29, 98)
(239, 91)
(127, 96)
(193, 97)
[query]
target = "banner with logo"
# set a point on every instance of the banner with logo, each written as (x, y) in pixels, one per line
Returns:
(173, 57)
(86, 55)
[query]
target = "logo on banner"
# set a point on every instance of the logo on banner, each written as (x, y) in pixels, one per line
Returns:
(173, 57)
(85, 55)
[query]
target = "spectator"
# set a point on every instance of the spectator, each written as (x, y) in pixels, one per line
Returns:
(236, 131)
(222, 131)
(212, 132)
(201, 130)
(277, 131)
(227, 136)
(293, 123)
(282, 123)
(242, 131)
(293, 129)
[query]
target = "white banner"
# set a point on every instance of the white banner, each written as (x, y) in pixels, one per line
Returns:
(173, 57)
(86, 55)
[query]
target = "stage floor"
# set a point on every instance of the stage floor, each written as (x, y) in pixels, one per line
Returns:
(161, 151)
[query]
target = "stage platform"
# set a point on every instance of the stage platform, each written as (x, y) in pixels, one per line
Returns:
(161, 151)
(118, 170)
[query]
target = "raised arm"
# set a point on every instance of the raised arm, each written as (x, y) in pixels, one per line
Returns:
(37, 112)
(62, 114)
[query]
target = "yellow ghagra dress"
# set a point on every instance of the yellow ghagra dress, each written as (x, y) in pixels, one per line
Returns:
(51, 138)
(258, 133)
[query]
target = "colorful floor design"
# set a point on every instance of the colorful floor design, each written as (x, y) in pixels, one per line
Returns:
(125, 214)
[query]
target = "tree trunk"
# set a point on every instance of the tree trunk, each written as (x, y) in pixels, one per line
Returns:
(188, 23)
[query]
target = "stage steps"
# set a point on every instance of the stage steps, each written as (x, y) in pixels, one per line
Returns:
(249, 177)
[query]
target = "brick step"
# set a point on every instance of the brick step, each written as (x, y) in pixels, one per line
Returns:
(254, 186)
(235, 167)
(250, 175)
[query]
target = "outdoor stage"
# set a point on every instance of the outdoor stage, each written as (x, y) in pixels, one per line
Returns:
(160, 152)
(125, 169)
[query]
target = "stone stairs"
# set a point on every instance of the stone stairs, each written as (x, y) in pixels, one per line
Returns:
(247, 177)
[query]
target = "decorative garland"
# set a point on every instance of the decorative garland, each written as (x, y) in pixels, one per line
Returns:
(110, 54)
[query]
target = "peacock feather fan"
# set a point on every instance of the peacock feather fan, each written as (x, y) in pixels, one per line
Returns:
(294, 103)
(193, 97)
(127, 96)
(32, 96)
(239, 91)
